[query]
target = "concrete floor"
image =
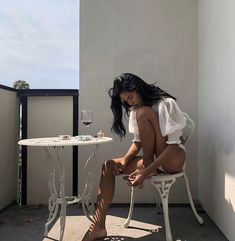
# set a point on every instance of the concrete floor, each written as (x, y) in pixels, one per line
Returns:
(27, 224)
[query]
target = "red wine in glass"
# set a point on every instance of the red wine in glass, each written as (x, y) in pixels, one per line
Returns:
(87, 123)
(86, 117)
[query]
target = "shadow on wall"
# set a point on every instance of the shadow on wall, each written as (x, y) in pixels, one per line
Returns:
(229, 194)
(218, 157)
(226, 155)
(229, 190)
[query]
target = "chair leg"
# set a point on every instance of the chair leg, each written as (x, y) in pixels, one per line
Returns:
(200, 220)
(158, 201)
(163, 188)
(127, 222)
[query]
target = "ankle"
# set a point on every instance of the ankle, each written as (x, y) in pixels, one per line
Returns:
(99, 220)
(98, 224)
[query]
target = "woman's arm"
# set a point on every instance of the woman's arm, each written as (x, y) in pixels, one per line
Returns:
(132, 151)
(137, 177)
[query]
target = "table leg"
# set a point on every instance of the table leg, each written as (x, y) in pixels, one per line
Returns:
(86, 200)
(62, 193)
(55, 200)
(53, 205)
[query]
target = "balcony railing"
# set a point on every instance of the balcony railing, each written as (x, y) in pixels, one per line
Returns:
(29, 114)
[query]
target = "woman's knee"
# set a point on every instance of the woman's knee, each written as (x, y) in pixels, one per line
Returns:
(144, 112)
(108, 166)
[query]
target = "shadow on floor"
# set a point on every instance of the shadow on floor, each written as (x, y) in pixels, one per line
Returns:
(27, 224)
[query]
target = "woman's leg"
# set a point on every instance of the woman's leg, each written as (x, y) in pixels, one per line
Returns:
(105, 195)
(153, 143)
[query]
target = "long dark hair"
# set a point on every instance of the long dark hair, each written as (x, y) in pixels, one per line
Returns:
(149, 93)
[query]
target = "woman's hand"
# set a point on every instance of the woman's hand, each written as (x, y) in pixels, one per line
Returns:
(119, 167)
(136, 178)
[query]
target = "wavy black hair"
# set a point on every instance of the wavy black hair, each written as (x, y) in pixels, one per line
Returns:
(149, 93)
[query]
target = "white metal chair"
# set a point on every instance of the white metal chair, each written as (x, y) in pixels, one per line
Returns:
(163, 182)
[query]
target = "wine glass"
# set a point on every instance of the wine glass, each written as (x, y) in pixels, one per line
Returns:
(86, 118)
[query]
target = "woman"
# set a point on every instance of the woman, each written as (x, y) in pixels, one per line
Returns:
(156, 122)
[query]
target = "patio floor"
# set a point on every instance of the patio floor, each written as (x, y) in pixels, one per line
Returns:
(27, 224)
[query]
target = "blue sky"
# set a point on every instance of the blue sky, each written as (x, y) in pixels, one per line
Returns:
(39, 43)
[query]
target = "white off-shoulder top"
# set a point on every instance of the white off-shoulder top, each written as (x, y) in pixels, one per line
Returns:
(171, 121)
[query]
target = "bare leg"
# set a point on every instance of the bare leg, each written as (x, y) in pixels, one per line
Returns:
(153, 143)
(151, 139)
(105, 195)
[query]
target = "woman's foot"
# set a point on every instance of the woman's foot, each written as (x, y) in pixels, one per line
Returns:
(95, 232)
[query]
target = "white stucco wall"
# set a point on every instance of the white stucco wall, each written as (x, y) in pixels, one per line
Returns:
(9, 130)
(47, 117)
(155, 39)
(216, 112)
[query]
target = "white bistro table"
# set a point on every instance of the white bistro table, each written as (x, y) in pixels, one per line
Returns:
(57, 197)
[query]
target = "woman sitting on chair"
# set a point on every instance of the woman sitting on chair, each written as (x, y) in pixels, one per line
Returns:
(156, 122)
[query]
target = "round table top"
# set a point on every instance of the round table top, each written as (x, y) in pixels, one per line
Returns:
(56, 141)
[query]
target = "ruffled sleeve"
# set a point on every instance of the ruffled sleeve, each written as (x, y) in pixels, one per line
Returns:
(133, 127)
(171, 120)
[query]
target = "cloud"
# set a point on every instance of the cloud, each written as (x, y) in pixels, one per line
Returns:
(39, 43)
